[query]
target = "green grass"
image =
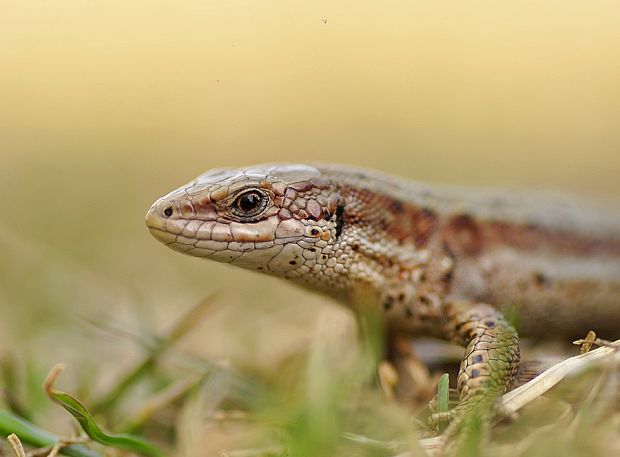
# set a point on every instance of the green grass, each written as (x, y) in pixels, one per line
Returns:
(260, 369)
(314, 404)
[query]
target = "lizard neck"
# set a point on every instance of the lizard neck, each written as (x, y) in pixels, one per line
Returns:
(385, 256)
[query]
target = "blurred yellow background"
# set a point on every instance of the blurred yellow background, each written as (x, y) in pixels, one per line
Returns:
(106, 105)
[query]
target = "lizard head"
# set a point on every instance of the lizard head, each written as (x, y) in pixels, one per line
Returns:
(281, 219)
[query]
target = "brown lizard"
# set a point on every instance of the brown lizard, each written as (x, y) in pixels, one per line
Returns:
(430, 260)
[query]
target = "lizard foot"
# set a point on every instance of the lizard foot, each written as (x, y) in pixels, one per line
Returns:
(496, 412)
(437, 419)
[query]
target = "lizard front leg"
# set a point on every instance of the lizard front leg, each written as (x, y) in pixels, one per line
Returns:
(491, 356)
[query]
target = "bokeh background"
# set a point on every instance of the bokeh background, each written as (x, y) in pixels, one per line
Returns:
(106, 105)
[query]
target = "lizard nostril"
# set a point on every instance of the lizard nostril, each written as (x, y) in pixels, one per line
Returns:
(168, 211)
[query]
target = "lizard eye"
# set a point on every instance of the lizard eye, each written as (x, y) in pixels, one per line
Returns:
(249, 203)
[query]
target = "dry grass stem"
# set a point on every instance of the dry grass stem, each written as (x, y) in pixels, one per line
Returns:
(16, 445)
(521, 396)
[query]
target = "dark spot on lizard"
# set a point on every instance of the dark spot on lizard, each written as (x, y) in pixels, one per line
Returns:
(355, 247)
(314, 231)
(531, 226)
(324, 256)
(424, 300)
(339, 219)
(541, 280)
(490, 324)
(475, 373)
(396, 207)
(383, 224)
(388, 303)
(312, 249)
(463, 234)
(409, 313)
(401, 297)
(292, 262)
(476, 358)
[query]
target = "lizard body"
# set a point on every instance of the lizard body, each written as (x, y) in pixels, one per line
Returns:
(431, 260)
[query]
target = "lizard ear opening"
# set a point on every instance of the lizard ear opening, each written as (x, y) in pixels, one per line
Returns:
(339, 219)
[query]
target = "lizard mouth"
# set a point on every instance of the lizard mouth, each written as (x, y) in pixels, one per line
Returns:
(161, 235)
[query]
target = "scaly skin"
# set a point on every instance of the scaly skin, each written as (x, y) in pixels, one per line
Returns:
(431, 260)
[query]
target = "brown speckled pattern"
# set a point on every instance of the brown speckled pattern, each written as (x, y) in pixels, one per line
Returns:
(432, 261)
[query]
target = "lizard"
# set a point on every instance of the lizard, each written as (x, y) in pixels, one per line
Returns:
(429, 259)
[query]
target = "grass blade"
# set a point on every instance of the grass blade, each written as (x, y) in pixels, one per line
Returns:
(37, 437)
(90, 427)
(443, 394)
(185, 325)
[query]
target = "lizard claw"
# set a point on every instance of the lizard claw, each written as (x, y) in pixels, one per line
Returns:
(436, 419)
